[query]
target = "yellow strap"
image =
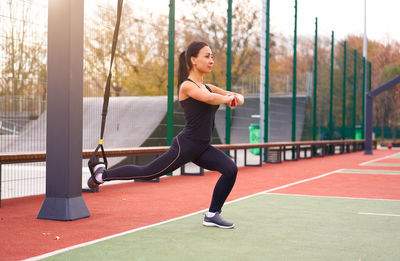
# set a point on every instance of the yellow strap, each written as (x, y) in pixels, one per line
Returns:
(101, 142)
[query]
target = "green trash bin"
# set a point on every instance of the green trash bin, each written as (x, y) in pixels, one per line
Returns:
(358, 133)
(254, 130)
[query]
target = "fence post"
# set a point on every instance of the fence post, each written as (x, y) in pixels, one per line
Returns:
(294, 76)
(331, 89)
(228, 73)
(266, 82)
(355, 94)
(344, 90)
(314, 131)
(171, 46)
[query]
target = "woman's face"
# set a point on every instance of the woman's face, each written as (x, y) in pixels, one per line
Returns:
(204, 60)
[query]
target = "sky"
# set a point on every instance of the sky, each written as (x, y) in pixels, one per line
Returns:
(341, 16)
(347, 16)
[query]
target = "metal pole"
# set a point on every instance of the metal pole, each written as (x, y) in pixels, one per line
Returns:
(369, 76)
(171, 52)
(363, 99)
(294, 74)
(228, 73)
(315, 81)
(331, 89)
(355, 94)
(64, 199)
(368, 130)
(344, 90)
(266, 82)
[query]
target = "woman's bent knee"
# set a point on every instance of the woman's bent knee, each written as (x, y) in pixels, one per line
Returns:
(231, 170)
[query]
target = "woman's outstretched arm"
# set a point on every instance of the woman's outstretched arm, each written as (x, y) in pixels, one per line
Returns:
(189, 89)
(239, 97)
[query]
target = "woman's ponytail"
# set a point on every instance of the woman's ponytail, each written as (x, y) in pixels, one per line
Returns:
(182, 70)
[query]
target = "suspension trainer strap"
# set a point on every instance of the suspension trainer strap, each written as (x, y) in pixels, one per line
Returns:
(93, 158)
(108, 84)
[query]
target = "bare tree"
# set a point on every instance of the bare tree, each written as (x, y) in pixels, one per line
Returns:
(141, 56)
(25, 55)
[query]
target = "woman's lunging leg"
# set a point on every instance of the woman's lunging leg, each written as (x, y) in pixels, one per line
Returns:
(164, 164)
(215, 159)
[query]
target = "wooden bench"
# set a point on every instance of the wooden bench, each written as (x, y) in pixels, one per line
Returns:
(273, 152)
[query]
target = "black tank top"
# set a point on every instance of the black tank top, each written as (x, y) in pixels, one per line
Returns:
(200, 117)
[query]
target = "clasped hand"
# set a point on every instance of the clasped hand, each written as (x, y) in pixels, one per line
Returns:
(233, 101)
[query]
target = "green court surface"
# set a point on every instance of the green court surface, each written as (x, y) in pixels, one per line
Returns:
(268, 227)
(370, 171)
(383, 164)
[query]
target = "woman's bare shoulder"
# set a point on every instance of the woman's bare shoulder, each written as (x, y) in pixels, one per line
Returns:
(187, 85)
(185, 88)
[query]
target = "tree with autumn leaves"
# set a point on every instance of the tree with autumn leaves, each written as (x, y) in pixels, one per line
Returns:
(385, 59)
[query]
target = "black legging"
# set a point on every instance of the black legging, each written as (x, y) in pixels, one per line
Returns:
(184, 150)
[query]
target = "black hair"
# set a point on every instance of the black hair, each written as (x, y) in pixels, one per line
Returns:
(185, 64)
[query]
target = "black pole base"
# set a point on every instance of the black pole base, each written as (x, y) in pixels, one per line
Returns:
(63, 209)
(368, 152)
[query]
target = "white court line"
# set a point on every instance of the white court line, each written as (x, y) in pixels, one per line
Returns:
(396, 155)
(304, 180)
(379, 214)
(381, 158)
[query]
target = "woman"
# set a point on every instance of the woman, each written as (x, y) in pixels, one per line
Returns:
(200, 103)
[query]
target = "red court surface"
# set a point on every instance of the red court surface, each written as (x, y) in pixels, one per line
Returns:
(124, 207)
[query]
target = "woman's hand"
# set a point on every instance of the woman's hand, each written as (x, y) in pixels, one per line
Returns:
(239, 99)
(232, 100)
